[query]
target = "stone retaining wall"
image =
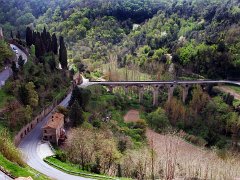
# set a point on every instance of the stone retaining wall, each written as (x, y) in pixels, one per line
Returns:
(30, 126)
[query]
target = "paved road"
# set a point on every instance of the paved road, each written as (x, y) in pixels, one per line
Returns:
(5, 74)
(4, 176)
(29, 148)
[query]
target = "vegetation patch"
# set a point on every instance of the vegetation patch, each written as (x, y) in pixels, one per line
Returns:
(18, 171)
(75, 169)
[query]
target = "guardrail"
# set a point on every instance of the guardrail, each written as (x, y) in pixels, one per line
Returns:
(31, 125)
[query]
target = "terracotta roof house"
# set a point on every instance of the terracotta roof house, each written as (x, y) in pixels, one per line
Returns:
(53, 130)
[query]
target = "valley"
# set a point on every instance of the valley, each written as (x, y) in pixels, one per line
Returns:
(141, 89)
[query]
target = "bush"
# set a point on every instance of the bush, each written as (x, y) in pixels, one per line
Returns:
(8, 149)
(196, 140)
(96, 123)
(158, 120)
(60, 155)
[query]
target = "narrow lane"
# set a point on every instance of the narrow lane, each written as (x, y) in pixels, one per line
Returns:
(7, 72)
(29, 148)
(4, 75)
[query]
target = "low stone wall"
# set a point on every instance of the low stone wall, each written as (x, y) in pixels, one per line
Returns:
(30, 126)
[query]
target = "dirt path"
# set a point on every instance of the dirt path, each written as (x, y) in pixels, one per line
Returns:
(132, 116)
(229, 90)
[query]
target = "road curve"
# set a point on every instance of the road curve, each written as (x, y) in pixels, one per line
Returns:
(7, 72)
(29, 148)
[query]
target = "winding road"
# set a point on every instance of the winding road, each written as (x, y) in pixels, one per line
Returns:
(29, 146)
(7, 72)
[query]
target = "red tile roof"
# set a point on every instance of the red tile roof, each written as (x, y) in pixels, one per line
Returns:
(56, 120)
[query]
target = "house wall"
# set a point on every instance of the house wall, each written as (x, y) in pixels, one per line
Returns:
(52, 133)
(55, 133)
(26, 129)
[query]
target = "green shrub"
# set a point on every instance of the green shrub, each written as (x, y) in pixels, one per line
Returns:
(158, 119)
(60, 155)
(8, 149)
(96, 123)
(196, 140)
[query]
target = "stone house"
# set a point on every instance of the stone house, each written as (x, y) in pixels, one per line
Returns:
(53, 131)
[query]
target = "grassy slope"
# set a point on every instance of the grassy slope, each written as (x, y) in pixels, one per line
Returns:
(18, 171)
(74, 169)
(3, 98)
(235, 88)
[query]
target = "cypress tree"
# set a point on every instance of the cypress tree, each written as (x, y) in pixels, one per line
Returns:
(75, 114)
(23, 95)
(11, 34)
(52, 63)
(38, 47)
(21, 61)
(43, 40)
(63, 54)
(54, 44)
(29, 36)
(49, 42)
(34, 37)
(18, 36)
(14, 69)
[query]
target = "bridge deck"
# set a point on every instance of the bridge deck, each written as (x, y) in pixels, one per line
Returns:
(117, 83)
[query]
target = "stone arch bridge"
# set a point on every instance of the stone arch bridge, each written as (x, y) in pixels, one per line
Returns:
(156, 86)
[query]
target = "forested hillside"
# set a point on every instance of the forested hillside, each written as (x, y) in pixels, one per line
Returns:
(190, 31)
(121, 40)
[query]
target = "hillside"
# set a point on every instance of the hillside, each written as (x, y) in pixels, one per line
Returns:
(172, 126)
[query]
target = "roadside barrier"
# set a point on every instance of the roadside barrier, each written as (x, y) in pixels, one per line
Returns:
(31, 125)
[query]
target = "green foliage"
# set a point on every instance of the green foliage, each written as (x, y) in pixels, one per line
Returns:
(75, 114)
(158, 120)
(5, 52)
(32, 97)
(82, 96)
(63, 54)
(60, 155)
(21, 61)
(18, 171)
(8, 150)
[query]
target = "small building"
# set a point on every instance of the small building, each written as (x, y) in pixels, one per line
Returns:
(53, 131)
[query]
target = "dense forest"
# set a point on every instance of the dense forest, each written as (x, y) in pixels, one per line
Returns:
(126, 40)
(180, 28)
